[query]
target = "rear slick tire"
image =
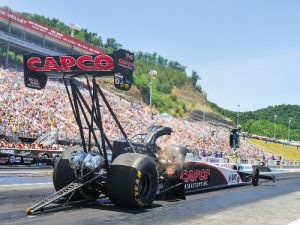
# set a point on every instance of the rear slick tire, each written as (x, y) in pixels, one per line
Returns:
(132, 180)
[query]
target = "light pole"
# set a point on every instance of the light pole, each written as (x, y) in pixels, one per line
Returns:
(152, 72)
(237, 116)
(204, 113)
(73, 27)
(275, 117)
(289, 131)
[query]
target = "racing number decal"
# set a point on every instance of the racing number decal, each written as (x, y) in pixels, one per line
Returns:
(136, 189)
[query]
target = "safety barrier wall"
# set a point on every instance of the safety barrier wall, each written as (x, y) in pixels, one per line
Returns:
(251, 161)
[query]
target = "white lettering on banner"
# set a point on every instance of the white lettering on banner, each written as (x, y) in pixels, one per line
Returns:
(18, 19)
(18, 159)
(24, 153)
(7, 151)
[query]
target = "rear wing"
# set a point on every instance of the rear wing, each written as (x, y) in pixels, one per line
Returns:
(120, 65)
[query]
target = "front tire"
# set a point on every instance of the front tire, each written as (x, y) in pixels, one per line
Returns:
(255, 175)
(132, 180)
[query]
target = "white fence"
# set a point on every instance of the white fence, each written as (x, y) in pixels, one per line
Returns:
(251, 161)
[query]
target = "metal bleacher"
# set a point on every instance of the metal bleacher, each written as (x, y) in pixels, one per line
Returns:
(26, 45)
(48, 138)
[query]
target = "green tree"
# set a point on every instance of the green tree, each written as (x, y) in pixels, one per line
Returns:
(112, 45)
(194, 78)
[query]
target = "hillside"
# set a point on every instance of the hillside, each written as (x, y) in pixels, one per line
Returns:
(262, 121)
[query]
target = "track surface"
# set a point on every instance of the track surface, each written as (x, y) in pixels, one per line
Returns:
(269, 203)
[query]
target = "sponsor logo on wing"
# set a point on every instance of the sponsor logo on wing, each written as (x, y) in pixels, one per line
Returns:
(68, 63)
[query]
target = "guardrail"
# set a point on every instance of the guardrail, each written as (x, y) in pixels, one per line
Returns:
(17, 156)
(251, 161)
(31, 152)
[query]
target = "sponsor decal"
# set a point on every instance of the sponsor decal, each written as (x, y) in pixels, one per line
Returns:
(70, 63)
(195, 178)
(7, 151)
(34, 83)
(194, 175)
(18, 159)
(245, 167)
(25, 153)
(125, 63)
(233, 179)
(123, 85)
(196, 185)
(27, 160)
(118, 75)
(124, 66)
(226, 165)
(117, 80)
(12, 159)
(4, 160)
(136, 189)
(120, 64)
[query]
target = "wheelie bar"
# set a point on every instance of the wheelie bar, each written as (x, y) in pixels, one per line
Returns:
(71, 188)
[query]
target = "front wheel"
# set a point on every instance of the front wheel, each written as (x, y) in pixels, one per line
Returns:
(255, 175)
(132, 180)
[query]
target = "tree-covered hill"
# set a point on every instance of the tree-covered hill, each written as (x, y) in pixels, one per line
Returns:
(262, 121)
(170, 75)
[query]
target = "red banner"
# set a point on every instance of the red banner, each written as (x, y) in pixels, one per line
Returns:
(47, 31)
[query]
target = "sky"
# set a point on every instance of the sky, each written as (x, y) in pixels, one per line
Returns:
(247, 53)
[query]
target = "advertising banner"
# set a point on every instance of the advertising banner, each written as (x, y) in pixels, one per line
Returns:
(50, 32)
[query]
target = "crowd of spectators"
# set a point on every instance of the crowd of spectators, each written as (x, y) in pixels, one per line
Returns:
(28, 112)
(35, 145)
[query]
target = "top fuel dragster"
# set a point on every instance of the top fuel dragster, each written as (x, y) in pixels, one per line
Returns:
(131, 172)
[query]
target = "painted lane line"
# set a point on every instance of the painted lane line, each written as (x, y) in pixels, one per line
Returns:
(296, 222)
(30, 184)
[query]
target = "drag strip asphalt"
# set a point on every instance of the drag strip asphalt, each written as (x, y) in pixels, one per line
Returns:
(25, 176)
(237, 205)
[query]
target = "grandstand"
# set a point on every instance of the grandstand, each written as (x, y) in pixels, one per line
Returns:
(213, 118)
(22, 36)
